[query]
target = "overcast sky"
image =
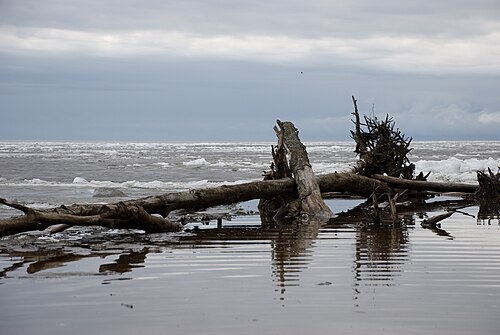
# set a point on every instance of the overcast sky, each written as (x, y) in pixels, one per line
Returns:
(212, 70)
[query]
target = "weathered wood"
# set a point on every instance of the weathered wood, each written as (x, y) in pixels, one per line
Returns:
(351, 183)
(311, 202)
(116, 216)
(382, 148)
(268, 208)
(488, 194)
(298, 197)
(357, 135)
(433, 221)
(98, 214)
(420, 185)
(198, 199)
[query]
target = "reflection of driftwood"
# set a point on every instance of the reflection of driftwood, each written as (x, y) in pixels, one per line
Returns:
(406, 211)
(433, 223)
(41, 260)
(126, 262)
(51, 261)
(380, 248)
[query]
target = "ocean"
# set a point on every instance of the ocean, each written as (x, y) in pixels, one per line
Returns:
(46, 174)
(243, 278)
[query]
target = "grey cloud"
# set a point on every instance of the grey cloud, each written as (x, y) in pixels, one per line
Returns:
(432, 65)
(98, 98)
(299, 18)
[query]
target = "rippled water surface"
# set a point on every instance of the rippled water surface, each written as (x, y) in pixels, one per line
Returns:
(247, 279)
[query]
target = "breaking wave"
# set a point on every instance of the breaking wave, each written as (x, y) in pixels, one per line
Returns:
(456, 170)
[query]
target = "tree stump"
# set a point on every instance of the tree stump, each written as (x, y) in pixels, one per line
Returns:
(311, 204)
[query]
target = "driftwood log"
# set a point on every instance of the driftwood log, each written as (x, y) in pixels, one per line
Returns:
(488, 194)
(117, 216)
(311, 201)
(292, 185)
(421, 185)
(139, 213)
(307, 202)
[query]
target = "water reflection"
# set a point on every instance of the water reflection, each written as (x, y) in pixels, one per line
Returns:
(37, 261)
(53, 261)
(379, 251)
(489, 211)
(291, 253)
(126, 262)
(244, 274)
(291, 246)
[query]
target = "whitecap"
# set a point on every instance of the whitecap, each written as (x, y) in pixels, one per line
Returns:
(456, 170)
(80, 180)
(36, 181)
(196, 163)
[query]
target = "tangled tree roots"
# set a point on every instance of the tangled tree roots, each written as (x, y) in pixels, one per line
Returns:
(488, 194)
(381, 147)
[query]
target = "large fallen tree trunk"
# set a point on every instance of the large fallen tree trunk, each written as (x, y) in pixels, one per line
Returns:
(295, 186)
(122, 215)
(420, 185)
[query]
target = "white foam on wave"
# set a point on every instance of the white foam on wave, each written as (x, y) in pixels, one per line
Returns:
(40, 205)
(169, 185)
(80, 180)
(131, 184)
(196, 163)
(325, 168)
(330, 148)
(456, 170)
(36, 181)
(241, 165)
(448, 170)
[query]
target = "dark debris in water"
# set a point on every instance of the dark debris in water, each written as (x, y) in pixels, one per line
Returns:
(127, 305)
(325, 283)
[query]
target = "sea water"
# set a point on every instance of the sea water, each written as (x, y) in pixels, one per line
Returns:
(344, 277)
(52, 173)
